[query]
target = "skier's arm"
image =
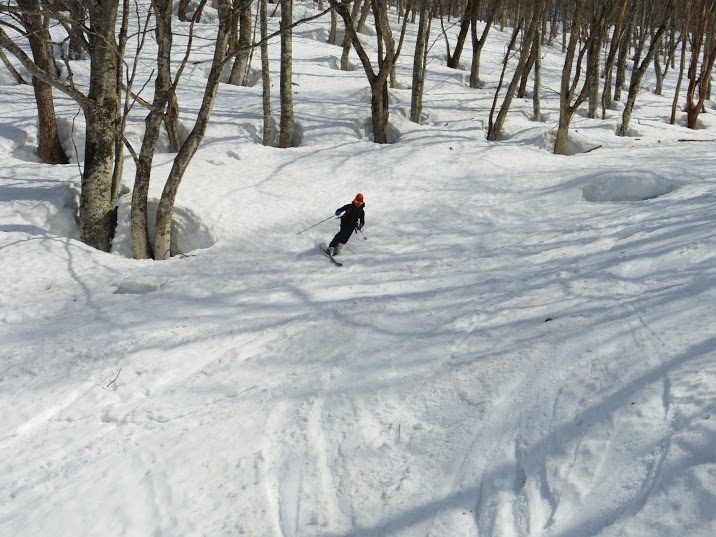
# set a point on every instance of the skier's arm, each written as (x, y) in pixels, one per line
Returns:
(362, 220)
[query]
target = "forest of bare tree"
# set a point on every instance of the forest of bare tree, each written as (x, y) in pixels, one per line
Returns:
(608, 46)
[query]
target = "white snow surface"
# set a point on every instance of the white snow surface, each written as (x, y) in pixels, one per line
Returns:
(524, 346)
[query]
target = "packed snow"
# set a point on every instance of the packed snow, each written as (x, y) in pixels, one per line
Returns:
(523, 346)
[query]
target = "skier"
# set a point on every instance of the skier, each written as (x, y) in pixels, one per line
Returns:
(353, 218)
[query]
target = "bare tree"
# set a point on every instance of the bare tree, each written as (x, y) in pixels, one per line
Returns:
(162, 242)
(623, 54)
(568, 103)
(286, 128)
(420, 60)
(478, 43)
(688, 4)
(387, 58)
(32, 19)
(453, 60)
(618, 35)
(495, 129)
(640, 69)
(241, 40)
(162, 88)
(703, 55)
(536, 102)
(669, 51)
(345, 55)
(265, 74)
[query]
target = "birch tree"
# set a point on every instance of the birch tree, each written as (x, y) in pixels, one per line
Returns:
(387, 58)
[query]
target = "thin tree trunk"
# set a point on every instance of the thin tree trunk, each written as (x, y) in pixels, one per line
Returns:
(536, 102)
(286, 128)
(495, 130)
(421, 41)
(700, 77)
(171, 122)
(162, 89)
(569, 83)
(162, 243)
(265, 75)
(617, 37)
(479, 43)
(239, 71)
(345, 56)
(638, 75)
(623, 56)
(333, 28)
(49, 147)
(682, 59)
(454, 59)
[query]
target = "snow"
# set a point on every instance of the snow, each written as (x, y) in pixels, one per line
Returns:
(524, 346)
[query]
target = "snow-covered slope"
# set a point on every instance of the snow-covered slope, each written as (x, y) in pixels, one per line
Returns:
(524, 346)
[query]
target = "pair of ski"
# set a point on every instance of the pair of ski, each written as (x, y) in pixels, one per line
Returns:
(323, 248)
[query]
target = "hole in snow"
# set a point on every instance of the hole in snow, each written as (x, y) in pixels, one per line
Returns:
(189, 233)
(627, 186)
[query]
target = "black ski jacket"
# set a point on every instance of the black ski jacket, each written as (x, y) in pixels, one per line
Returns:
(351, 215)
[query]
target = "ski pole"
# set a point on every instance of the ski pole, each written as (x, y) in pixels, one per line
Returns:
(314, 225)
(364, 237)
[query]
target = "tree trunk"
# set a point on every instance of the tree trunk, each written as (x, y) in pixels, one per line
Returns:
(171, 122)
(419, 64)
(617, 37)
(379, 110)
(265, 74)
(286, 90)
(363, 15)
(593, 68)
(334, 28)
(495, 130)
(524, 79)
(490, 128)
(387, 57)
(345, 56)
(49, 147)
(704, 43)
(568, 84)
(162, 243)
(162, 90)
(454, 59)
(96, 200)
(240, 69)
(623, 56)
(638, 76)
(682, 64)
(536, 102)
(561, 143)
(479, 43)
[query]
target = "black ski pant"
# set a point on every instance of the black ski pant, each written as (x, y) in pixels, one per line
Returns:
(342, 236)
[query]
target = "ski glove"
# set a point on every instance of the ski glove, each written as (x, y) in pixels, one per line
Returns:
(338, 212)
(359, 227)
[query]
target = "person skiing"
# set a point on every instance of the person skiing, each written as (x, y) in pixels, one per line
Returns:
(353, 218)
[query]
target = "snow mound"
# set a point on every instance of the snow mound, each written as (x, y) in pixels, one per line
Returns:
(627, 186)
